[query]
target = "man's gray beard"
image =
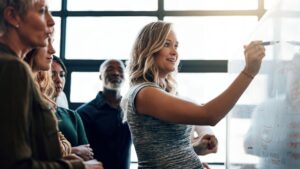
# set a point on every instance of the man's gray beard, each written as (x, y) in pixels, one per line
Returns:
(112, 86)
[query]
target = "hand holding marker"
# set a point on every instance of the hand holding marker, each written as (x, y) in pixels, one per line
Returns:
(267, 43)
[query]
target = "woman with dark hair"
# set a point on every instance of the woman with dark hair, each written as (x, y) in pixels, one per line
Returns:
(61, 99)
(59, 71)
(70, 123)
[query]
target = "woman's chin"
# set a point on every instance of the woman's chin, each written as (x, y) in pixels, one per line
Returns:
(172, 69)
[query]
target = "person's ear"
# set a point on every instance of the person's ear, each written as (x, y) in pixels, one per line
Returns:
(11, 16)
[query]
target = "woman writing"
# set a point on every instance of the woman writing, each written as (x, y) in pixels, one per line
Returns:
(156, 117)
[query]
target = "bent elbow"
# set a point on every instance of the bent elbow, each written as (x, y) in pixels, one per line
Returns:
(214, 122)
(210, 116)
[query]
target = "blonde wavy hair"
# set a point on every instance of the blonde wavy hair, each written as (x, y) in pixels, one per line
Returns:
(142, 66)
(43, 79)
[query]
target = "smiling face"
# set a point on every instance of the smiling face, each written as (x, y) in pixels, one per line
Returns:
(167, 58)
(35, 27)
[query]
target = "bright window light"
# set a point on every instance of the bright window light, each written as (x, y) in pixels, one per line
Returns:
(54, 5)
(102, 37)
(90, 82)
(211, 38)
(210, 4)
(112, 5)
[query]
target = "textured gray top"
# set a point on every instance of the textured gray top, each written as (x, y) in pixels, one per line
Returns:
(159, 144)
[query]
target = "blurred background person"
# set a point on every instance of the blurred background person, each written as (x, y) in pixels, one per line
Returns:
(102, 117)
(59, 79)
(69, 122)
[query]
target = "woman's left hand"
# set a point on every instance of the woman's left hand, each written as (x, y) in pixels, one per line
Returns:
(206, 144)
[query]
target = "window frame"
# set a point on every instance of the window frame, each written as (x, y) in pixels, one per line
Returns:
(187, 66)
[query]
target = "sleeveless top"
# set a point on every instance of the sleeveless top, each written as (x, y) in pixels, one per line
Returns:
(158, 144)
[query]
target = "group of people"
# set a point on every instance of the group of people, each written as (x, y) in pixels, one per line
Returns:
(31, 138)
(36, 133)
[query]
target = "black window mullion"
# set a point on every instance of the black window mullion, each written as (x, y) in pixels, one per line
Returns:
(186, 66)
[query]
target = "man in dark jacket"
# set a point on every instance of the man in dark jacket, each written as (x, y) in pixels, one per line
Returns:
(102, 117)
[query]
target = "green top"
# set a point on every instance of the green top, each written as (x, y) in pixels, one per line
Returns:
(70, 124)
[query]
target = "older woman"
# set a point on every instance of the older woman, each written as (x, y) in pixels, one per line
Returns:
(18, 148)
(28, 131)
(28, 127)
(24, 24)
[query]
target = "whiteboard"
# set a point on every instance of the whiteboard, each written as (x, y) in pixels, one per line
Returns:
(266, 134)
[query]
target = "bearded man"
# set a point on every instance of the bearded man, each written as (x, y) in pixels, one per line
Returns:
(108, 135)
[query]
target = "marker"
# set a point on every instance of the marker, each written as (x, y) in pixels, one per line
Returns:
(267, 43)
(297, 43)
